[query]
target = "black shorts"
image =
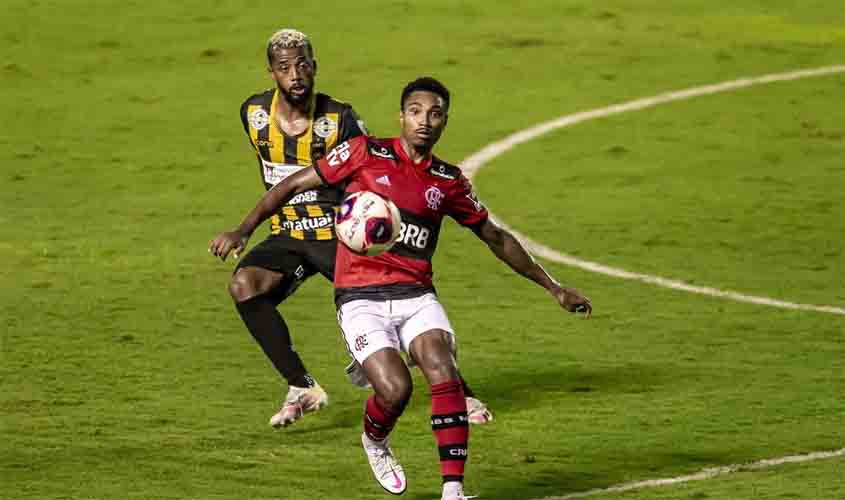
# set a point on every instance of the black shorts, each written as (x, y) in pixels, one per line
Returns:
(296, 259)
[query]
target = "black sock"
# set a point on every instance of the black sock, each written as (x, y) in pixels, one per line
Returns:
(467, 391)
(270, 331)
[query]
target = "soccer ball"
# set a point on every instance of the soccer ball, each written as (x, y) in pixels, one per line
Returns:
(367, 223)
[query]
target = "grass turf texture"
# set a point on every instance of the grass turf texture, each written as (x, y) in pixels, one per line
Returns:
(126, 372)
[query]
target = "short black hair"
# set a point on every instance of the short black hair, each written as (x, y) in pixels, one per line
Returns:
(426, 83)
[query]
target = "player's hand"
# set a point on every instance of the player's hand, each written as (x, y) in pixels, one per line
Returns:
(573, 301)
(229, 241)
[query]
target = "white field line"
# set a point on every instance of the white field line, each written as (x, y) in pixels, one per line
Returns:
(704, 474)
(473, 163)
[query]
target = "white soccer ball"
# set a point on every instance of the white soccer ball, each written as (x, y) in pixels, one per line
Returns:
(367, 223)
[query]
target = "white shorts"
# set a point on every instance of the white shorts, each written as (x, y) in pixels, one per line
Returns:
(371, 325)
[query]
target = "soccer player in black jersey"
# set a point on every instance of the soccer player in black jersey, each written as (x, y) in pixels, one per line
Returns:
(290, 127)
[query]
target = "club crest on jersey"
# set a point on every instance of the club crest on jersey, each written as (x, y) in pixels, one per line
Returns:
(433, 196)
(324, 126)
(258, 119)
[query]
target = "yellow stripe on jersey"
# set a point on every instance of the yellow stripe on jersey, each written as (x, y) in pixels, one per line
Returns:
(253, 133)
(275, 224)
(303, 144)
(290, 212)
(297, 234)
(324, 233)
(331, 140)
(277, 150)
(314, 210)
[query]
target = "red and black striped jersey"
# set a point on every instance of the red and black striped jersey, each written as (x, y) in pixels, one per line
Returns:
(308, 215)
(424, 193)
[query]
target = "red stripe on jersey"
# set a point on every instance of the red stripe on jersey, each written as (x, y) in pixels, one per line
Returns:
(427, 191)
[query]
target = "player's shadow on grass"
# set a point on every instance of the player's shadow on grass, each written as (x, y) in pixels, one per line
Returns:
(340, 415)
(644, 464)
(506, 390)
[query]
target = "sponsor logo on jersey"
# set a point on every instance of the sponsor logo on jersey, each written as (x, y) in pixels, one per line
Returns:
(441, 171)
(414, 236)
(338, 155)
(384, 180)
(304, 197)
(474, 199)
(433, 196)
(274, 173)
(381, 152)
(324, 126)
(258, 119)
(308, 224)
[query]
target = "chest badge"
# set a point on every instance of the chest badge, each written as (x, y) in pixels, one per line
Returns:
(258, 119)
(434, 197)
(324, 126)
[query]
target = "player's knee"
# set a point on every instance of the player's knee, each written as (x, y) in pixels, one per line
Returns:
(396, 394)
(434, 356)
(242, 286)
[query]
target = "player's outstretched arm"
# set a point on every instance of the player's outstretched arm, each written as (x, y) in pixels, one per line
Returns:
(236, 239)
(509, 250)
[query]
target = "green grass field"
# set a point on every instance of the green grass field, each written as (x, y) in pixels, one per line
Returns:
(126, 372)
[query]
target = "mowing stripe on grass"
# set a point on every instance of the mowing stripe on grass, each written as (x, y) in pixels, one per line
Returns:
(704, 474)
(473, 163)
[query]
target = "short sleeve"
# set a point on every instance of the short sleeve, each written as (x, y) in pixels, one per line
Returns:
(244, 120)
(351, 125)
(342, 161)
(464, 206)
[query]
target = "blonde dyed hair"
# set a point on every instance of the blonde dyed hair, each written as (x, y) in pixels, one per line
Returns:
(288, 39)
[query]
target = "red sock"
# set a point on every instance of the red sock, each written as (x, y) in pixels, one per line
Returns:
(451, 428)
(378, 421)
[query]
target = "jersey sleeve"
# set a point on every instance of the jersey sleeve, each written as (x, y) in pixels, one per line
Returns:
(245, 123)
(343, 160)
(463, 205)
(351, 125)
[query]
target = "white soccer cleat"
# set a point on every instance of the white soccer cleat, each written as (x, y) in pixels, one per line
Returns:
(454, 490)
(298, 402)
(477, 412)
(386, 468)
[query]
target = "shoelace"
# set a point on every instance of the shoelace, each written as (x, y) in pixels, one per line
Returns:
(385, 462)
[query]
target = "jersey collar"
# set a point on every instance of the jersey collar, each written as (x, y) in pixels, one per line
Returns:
(397, 146)
(312, 106)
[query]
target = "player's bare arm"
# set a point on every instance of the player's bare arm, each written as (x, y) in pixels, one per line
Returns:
(272, 201)
(510, 251)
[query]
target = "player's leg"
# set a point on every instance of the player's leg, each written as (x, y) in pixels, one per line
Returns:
(427, 336)
(265, 276)
(477, 411)
(449, 421)
(372, 340)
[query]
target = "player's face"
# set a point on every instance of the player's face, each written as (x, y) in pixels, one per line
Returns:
(423, 119)
(293, 71)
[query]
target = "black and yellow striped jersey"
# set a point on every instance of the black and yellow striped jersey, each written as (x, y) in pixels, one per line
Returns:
(308, 215)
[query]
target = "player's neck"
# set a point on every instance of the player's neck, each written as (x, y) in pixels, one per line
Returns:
(292, 119)
(416, 155)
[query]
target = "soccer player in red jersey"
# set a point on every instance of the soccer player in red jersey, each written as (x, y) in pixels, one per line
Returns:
(387, 303)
